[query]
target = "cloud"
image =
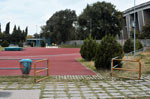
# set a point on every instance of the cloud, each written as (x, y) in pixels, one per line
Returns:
(36, 12)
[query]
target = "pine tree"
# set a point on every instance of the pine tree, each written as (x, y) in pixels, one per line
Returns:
(7, 28)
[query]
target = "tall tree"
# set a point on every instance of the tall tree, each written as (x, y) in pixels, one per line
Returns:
(0, 28)
(26, 31)
(60, 26)
(7, 28)
(100, 19)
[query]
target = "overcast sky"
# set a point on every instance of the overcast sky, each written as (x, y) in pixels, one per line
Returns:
(36, 12)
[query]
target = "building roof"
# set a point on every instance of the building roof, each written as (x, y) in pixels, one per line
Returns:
(139, 7)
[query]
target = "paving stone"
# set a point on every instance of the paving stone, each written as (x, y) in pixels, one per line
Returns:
(60, 89)
(51, 92)
(48, 95)
(26, 86)
(13, 85)
(99, 91)
(102, 94)
(119, 97)
(75, 94)
(104, 97)
(36, 87)
(115, 94)
(61, 97)
(129, 93)
(61, 94)
(73, 89)
(112, 91)
(76, 97)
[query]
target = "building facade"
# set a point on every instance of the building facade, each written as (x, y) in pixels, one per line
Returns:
(142, 16)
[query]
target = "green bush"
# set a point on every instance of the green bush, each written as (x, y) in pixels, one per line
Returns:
(43, 44)
(20, 44)
(138, 45)
(108, 49)
(128, 46)
(146, 31)
(5, 43)
(88, 49)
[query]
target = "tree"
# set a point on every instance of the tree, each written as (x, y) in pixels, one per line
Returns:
(0, 28)
(146, 31)
(7, 28)
(88, 49)
(100, 19)
(128, 46)
(59, 27)
(108, 49)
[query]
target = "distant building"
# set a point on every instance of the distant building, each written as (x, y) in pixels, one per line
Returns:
(36, 42)
(142, 13)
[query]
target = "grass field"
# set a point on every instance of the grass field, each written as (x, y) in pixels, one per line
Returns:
(144, 59)
(1, 48)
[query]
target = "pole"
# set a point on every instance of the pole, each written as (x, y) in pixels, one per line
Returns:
(134, 29)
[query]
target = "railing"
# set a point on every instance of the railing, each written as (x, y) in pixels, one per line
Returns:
(38, 71)
(125, 69)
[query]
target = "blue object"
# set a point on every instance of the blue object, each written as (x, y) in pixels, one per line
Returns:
(13, 48)
(27, 65)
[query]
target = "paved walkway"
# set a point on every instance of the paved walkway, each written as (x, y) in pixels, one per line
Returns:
(86, 89)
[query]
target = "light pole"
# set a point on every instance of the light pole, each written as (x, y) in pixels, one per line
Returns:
(91, 26)
(134, 29)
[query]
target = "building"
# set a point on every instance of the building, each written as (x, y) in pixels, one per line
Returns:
(142, 14)
(36, 42)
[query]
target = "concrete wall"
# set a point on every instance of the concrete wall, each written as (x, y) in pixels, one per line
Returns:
(147, 16)
(80, 42)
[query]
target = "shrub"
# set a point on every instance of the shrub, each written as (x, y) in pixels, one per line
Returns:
(20, 44)
(146, 31)
(138, 45)
(5, 43)
(128, 46)
(88, 49)
(108, 49)
(43, 44)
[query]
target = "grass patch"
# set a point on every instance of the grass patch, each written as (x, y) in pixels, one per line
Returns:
(91, 65)
(1, 48)
(145, 63)
(70, 46)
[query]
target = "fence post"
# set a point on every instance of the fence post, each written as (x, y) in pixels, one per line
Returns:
(112, 67)
(34, 72)
(139, 70)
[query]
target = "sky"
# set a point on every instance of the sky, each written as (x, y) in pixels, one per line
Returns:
(35, 13)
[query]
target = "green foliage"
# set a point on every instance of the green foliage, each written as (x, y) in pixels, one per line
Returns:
(59, 27)
(146, 31)
(5, 43)
(129, 45)
(18, 35)
(102, 19)
(7, 28)
(88, 49)
(108, 49)
(20, 44)
(43, 44)
(138, 44)
(138, 35)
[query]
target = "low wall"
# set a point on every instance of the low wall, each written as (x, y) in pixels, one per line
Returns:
(145, 42)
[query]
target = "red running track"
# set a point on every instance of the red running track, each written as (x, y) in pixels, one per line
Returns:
(62, 60)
